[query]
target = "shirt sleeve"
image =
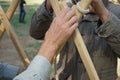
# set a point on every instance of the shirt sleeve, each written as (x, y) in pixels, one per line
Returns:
(110, 30)
(40, 22)
(8, 71)
(39, 69)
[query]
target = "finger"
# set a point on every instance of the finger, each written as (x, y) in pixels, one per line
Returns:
(72, 21)
(69, 14)
(63, 12)
(73, 27)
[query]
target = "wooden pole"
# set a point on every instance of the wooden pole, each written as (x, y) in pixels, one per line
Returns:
(78, 39)
(13, 37)
(9, 15)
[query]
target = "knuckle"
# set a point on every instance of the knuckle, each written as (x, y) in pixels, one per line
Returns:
(75, 18)
(57, 21)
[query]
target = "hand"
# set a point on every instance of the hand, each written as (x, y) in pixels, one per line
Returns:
(119, 1)
(100, 9)
(59, 32)
(48, 4)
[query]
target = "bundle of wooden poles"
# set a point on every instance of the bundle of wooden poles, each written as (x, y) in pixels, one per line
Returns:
(83, 52)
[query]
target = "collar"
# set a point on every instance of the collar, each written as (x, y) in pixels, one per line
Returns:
(90, 17)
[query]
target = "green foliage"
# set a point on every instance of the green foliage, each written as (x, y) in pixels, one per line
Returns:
(22, 29)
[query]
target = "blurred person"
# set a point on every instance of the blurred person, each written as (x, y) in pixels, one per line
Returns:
(22, 11)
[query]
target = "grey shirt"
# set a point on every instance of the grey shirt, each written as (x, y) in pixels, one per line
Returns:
(39, 69)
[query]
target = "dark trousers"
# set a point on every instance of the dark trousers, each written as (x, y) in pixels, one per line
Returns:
(22, 15)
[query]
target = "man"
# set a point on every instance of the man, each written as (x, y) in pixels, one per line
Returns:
(22, 11)
(100, 30)
(59, 32)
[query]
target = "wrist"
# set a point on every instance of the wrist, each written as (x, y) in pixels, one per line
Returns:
(104, 16)
(48, 50)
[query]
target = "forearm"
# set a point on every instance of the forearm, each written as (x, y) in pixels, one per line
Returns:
(48, 50)
(40, 22)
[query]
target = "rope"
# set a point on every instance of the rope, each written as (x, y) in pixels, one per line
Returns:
(81, 9)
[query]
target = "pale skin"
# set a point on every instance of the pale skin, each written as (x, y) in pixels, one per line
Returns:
(59, 32)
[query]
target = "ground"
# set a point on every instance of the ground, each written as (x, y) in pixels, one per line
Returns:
(8, 53)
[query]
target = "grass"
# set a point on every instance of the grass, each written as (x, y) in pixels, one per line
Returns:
(23, 27)
(22, 30)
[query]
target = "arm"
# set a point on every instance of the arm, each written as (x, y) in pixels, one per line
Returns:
(39, 69)
(41, 21)
(110, 29)
(8, 71)
(119, 1)
(59, 32)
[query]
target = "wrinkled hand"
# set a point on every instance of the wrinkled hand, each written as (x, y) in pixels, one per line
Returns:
(59, 32)
(100, 9)
(62, 27)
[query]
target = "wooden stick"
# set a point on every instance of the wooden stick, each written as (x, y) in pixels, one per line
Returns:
(9, 14)
(13, 37)
(79, 41)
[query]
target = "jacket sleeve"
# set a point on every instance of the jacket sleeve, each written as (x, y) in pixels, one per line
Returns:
(110, 30)
(39, 69)
(40, 22)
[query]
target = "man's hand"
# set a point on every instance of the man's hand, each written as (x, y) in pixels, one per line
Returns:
(59, 32)
(62, 27)
(100, 9)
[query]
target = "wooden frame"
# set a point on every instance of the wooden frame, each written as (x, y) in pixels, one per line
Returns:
(7, 26)
(78, 38)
